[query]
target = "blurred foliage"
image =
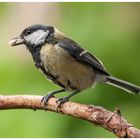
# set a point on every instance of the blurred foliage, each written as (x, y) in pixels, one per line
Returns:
(109, 30)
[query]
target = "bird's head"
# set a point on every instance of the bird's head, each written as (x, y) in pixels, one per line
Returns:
(34, 35)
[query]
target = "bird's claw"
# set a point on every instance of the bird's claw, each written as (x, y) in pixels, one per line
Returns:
(46, 98)
(61, 101)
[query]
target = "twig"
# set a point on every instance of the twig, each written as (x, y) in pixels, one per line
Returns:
(112, 121)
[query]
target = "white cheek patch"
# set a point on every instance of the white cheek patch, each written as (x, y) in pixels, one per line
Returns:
(37, 37)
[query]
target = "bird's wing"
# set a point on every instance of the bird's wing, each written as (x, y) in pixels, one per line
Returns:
(81, 55)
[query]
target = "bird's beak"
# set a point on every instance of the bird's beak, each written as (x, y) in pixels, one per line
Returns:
(16, 41)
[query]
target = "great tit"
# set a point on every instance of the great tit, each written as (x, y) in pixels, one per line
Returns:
(65, 62)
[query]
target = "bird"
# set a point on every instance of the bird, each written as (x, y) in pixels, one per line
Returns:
(64, 62)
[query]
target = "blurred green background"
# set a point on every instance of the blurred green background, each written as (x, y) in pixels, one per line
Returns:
(109, 30)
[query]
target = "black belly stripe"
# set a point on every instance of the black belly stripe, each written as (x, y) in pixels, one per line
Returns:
(35, 51)
(52, 77)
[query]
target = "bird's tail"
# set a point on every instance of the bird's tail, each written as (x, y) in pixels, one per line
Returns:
(131, 88)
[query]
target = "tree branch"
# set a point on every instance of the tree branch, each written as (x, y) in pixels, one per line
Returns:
(112, 121)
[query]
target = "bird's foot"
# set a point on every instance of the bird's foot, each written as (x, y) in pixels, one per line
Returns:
(46, 98)
(61, 101)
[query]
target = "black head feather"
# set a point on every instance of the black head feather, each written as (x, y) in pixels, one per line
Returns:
(36, 27)
(36, 35)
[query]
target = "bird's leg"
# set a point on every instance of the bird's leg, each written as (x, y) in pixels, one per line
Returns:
(60, 101)
(46, 98)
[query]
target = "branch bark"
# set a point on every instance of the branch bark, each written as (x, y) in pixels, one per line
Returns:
(112, 121)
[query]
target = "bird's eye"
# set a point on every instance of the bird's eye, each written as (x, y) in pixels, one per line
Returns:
(28, 32)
